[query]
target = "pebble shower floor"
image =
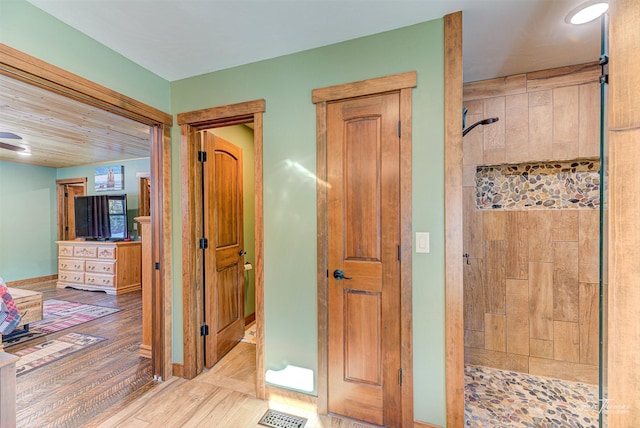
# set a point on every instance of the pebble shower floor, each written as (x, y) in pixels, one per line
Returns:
(499, 398)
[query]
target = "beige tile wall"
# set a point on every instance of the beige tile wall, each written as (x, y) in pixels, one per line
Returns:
(531, 285)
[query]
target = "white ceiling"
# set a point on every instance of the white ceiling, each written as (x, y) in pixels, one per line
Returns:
(182, 38)
(177, 39)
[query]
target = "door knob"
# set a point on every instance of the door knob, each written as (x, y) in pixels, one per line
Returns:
(242, 253)
(338, 274)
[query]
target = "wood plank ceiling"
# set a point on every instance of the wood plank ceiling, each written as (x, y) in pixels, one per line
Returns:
(60, 132)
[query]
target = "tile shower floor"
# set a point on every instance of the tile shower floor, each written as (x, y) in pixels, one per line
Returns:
(499, 398)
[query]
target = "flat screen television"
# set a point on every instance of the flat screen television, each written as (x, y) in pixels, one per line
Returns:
(101, 217)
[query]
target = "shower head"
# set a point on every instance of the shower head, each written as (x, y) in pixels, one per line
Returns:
(480, 122)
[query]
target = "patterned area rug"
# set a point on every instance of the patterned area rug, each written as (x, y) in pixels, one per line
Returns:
(250, 334)
(59, 315)
(500, 398)
(53, 350)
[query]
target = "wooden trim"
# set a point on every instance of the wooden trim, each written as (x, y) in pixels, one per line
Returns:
(454, 336)
(21, 283)
(402, 83)
(161, 250)
(365, 87)
(227, 115)
(249, 318)
(178, 370)
(191, 123)
(29, 69)
(406, 273)
(32, 70)
(259, 249)
(323, 257)
(419, 424)
(60, 199)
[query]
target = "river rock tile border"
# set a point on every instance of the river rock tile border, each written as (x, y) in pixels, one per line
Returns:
(540, 185)
(500, 398)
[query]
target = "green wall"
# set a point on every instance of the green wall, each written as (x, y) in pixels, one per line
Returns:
(242, 137)
(131, 185)
(33, 31)
(28, 213)
(27, 221)
(290, 197)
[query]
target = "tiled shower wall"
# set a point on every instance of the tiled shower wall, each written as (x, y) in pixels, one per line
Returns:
(531, 276)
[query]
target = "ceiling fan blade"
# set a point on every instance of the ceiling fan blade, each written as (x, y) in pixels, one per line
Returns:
(10, 136)
(11, 147)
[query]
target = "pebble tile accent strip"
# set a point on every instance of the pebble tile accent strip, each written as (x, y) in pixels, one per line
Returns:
(542, 185)
(499, 398)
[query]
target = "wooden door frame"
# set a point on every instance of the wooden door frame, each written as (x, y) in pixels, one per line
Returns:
(21, 66)
(60, 187)
(403, 84)
(192, 284)
(454, 297)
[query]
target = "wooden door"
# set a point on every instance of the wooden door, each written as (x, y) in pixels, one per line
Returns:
(67, 211)
(363, 161)
(224, 256)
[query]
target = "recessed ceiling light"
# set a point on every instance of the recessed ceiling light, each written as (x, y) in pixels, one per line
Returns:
(587, 12)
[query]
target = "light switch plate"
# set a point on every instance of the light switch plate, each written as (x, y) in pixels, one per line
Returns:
(422, 242)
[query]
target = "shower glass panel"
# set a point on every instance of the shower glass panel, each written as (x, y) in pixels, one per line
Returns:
(604, 205)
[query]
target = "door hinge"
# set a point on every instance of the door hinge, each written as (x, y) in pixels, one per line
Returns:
(204, 243)
(327, 273)
(66, 195)
(399, 129)
(66, 228)
(400, 377)
(603, 79)
(157, 265)
(399, 253)
(204, 330)
(202, 156)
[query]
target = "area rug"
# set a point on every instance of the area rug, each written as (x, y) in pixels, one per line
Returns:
(59, 315)
(53, 350)
(250, 334)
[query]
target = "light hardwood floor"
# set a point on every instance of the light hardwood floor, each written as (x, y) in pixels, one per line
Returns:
(223, 397)
(109, 385)
(73, 390)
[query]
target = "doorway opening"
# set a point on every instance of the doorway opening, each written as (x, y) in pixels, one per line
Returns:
(67, 190)
(219, 120)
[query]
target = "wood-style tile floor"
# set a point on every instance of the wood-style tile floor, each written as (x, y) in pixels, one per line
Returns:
(110, 385)
(70, 392)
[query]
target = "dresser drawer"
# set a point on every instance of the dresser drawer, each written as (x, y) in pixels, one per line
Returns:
(101, 280)
(71, 264)
(65, 250)
(107, 253)
(101, 267)
(72, 277)
(87, 252)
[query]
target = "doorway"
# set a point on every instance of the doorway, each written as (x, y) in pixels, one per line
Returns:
(67, 190)
(192, 123)
(375, 271)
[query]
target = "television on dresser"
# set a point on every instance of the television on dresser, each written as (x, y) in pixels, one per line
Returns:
(101, 217)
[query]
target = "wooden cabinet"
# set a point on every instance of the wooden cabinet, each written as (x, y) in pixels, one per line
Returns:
(147, 271)
(113, 267)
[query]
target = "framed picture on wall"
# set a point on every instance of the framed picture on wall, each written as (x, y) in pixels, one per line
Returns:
(109, 178)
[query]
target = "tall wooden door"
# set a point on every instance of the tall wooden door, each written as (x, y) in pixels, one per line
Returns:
(224, 256)
(363, 161)
(67, 212)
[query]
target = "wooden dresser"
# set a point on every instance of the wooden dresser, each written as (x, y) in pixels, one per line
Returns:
(113, 267)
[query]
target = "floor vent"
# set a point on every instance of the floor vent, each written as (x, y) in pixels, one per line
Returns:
(275, 419)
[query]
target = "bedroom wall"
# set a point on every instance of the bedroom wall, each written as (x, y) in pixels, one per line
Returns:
(290, 237)
(27, 221)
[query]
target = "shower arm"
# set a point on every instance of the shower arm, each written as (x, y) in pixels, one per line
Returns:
(480, 122)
